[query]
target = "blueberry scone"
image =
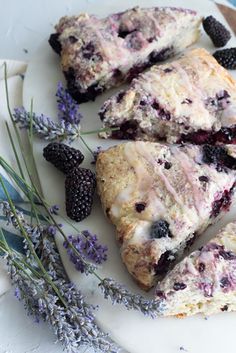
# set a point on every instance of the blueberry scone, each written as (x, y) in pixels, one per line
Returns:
(205, 281)
(97, 54)
(160, 198)
(192, 99)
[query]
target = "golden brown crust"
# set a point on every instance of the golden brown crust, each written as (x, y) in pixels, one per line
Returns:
(216, 67)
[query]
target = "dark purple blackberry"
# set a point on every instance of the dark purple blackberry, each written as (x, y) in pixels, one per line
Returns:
(167, 165)
(200, 137)
(225, 282)
(136, 70)
(54, 42)
(179, 286)
(164, 263)
(216, 31)
(160, 294)
(88, 50)
(227, 255)
(168, 69)
(218, 155)
(224, 308)
(73, 39)
(161, 112)
(124, 33)
(140, 206)
(162, 55)
(201, 267)
(160, 229)
(223, 203)
(213, 154)
(75, 90)
(226, 58)
(120, 96)
(80, 186)
(63, 157)
(128, 130)
(204, 179)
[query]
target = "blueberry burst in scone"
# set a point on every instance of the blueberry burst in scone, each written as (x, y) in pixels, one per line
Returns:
(192, 100)
(205, 281)
(161, 198)
(97, 54)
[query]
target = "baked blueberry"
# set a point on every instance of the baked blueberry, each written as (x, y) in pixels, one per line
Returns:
(160, 229)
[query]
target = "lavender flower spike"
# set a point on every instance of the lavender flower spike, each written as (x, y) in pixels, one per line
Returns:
(88, 247)
(45, 127)
(121, 295)
(68, 108)
(95, 154)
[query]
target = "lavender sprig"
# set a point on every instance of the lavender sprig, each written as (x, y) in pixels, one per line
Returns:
(35, 232)
(54, 209)
(88, 246)
(74, 325)
(45, 127)
(121, 295)
(68, 108)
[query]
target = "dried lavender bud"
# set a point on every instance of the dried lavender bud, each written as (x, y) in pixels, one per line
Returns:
(45, 127)
(121, 295)
(68, 108)
(71, 318)
(54, 209)
(88, 246)
(95, 154)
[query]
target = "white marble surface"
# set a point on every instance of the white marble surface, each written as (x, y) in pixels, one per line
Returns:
(24, 24)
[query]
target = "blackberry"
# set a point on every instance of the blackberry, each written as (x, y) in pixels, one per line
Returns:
(227, 255)
(216, 31)
(80, 186)
(55, 43)
(63, 157)
(164, 264)
(201, 267)
(160, 229)
(140, 206)
(225, 282)
(226, 58)
(218, 155)
(213, 154)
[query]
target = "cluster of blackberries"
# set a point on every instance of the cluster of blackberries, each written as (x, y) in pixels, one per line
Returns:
(220, 37)
(80, 182)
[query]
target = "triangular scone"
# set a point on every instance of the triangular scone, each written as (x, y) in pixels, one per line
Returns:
(161, 197)
(191, 99)
(205, 281)
(97, 54)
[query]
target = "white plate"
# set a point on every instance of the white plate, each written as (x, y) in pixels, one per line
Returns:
(131, 330)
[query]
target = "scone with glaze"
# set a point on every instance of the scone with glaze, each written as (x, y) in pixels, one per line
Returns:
(160, 198)
(205, 281)
(97, 54)
(192, 99)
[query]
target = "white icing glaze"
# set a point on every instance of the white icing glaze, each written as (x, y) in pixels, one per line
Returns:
(188, 166)
(123, 197)
(144, 151)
